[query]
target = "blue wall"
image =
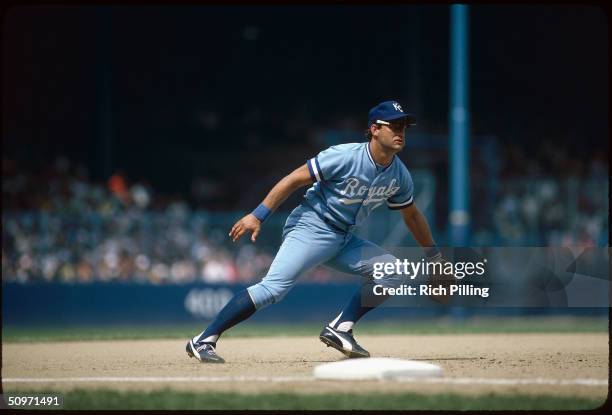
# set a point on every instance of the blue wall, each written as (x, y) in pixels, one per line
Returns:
(113, 303)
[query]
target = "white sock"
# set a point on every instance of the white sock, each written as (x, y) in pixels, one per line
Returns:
(345, 326)
(209, 339)
(333, 323)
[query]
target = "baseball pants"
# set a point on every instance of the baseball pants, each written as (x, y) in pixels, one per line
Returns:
(309, 241)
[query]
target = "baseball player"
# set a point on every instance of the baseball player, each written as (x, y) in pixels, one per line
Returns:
(347, 182)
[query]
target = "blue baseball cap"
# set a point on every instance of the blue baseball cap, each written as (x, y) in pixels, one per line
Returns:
(388, 111)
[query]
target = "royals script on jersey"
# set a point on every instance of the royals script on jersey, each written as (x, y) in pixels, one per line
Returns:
(349, 185)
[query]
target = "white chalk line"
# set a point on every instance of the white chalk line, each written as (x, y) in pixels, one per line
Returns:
(283, 379)
(493, 381)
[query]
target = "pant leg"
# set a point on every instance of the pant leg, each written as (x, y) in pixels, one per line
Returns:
(358, 257)
(305, 245)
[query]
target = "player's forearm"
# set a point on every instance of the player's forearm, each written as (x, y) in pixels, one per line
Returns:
(280, 192)
(286, 186)
(417, 223)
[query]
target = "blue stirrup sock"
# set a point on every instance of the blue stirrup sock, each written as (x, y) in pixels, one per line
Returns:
(239, 308)
(355, 309)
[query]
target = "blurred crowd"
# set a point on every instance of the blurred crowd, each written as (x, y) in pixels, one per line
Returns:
(58, 225)
(546, 212)
(170, 247)
(548, 195)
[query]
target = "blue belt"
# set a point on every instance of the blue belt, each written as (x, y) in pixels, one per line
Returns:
(333, 225)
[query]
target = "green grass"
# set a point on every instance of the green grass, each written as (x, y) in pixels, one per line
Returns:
(422, 326)
(169, 400)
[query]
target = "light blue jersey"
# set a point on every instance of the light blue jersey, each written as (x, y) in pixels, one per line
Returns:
(349, 185)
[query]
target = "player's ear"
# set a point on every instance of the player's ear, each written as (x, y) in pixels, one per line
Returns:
(374, 130)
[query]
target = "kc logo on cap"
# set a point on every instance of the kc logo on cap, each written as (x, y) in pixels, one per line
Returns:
(388, 111)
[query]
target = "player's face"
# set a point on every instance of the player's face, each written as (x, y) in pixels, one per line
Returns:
(392, 136)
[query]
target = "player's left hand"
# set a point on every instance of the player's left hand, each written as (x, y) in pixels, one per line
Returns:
(247, 224)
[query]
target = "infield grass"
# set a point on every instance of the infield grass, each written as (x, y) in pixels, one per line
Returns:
(422, 326)
(172, 400)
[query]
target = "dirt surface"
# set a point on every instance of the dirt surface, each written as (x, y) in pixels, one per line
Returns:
(474, 364)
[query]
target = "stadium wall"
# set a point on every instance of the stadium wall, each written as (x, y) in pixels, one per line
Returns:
(116, 303)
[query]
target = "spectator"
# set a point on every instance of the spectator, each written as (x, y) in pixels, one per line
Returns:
(117, 185)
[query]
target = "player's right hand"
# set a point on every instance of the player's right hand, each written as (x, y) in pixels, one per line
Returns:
(247, 224)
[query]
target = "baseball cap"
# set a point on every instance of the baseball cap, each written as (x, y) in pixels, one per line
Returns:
(388, 111)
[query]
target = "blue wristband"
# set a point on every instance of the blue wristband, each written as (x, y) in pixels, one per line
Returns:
(261, 212)
(432, 251)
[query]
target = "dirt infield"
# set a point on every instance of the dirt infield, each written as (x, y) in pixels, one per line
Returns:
(566, 364)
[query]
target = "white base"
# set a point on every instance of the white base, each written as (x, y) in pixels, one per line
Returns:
(376, 368)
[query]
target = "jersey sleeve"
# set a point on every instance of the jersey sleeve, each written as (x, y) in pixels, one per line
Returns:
(404, 196)
(327, 164)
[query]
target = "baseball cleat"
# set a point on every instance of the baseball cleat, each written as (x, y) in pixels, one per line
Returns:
(343, 341)
(204, 352)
